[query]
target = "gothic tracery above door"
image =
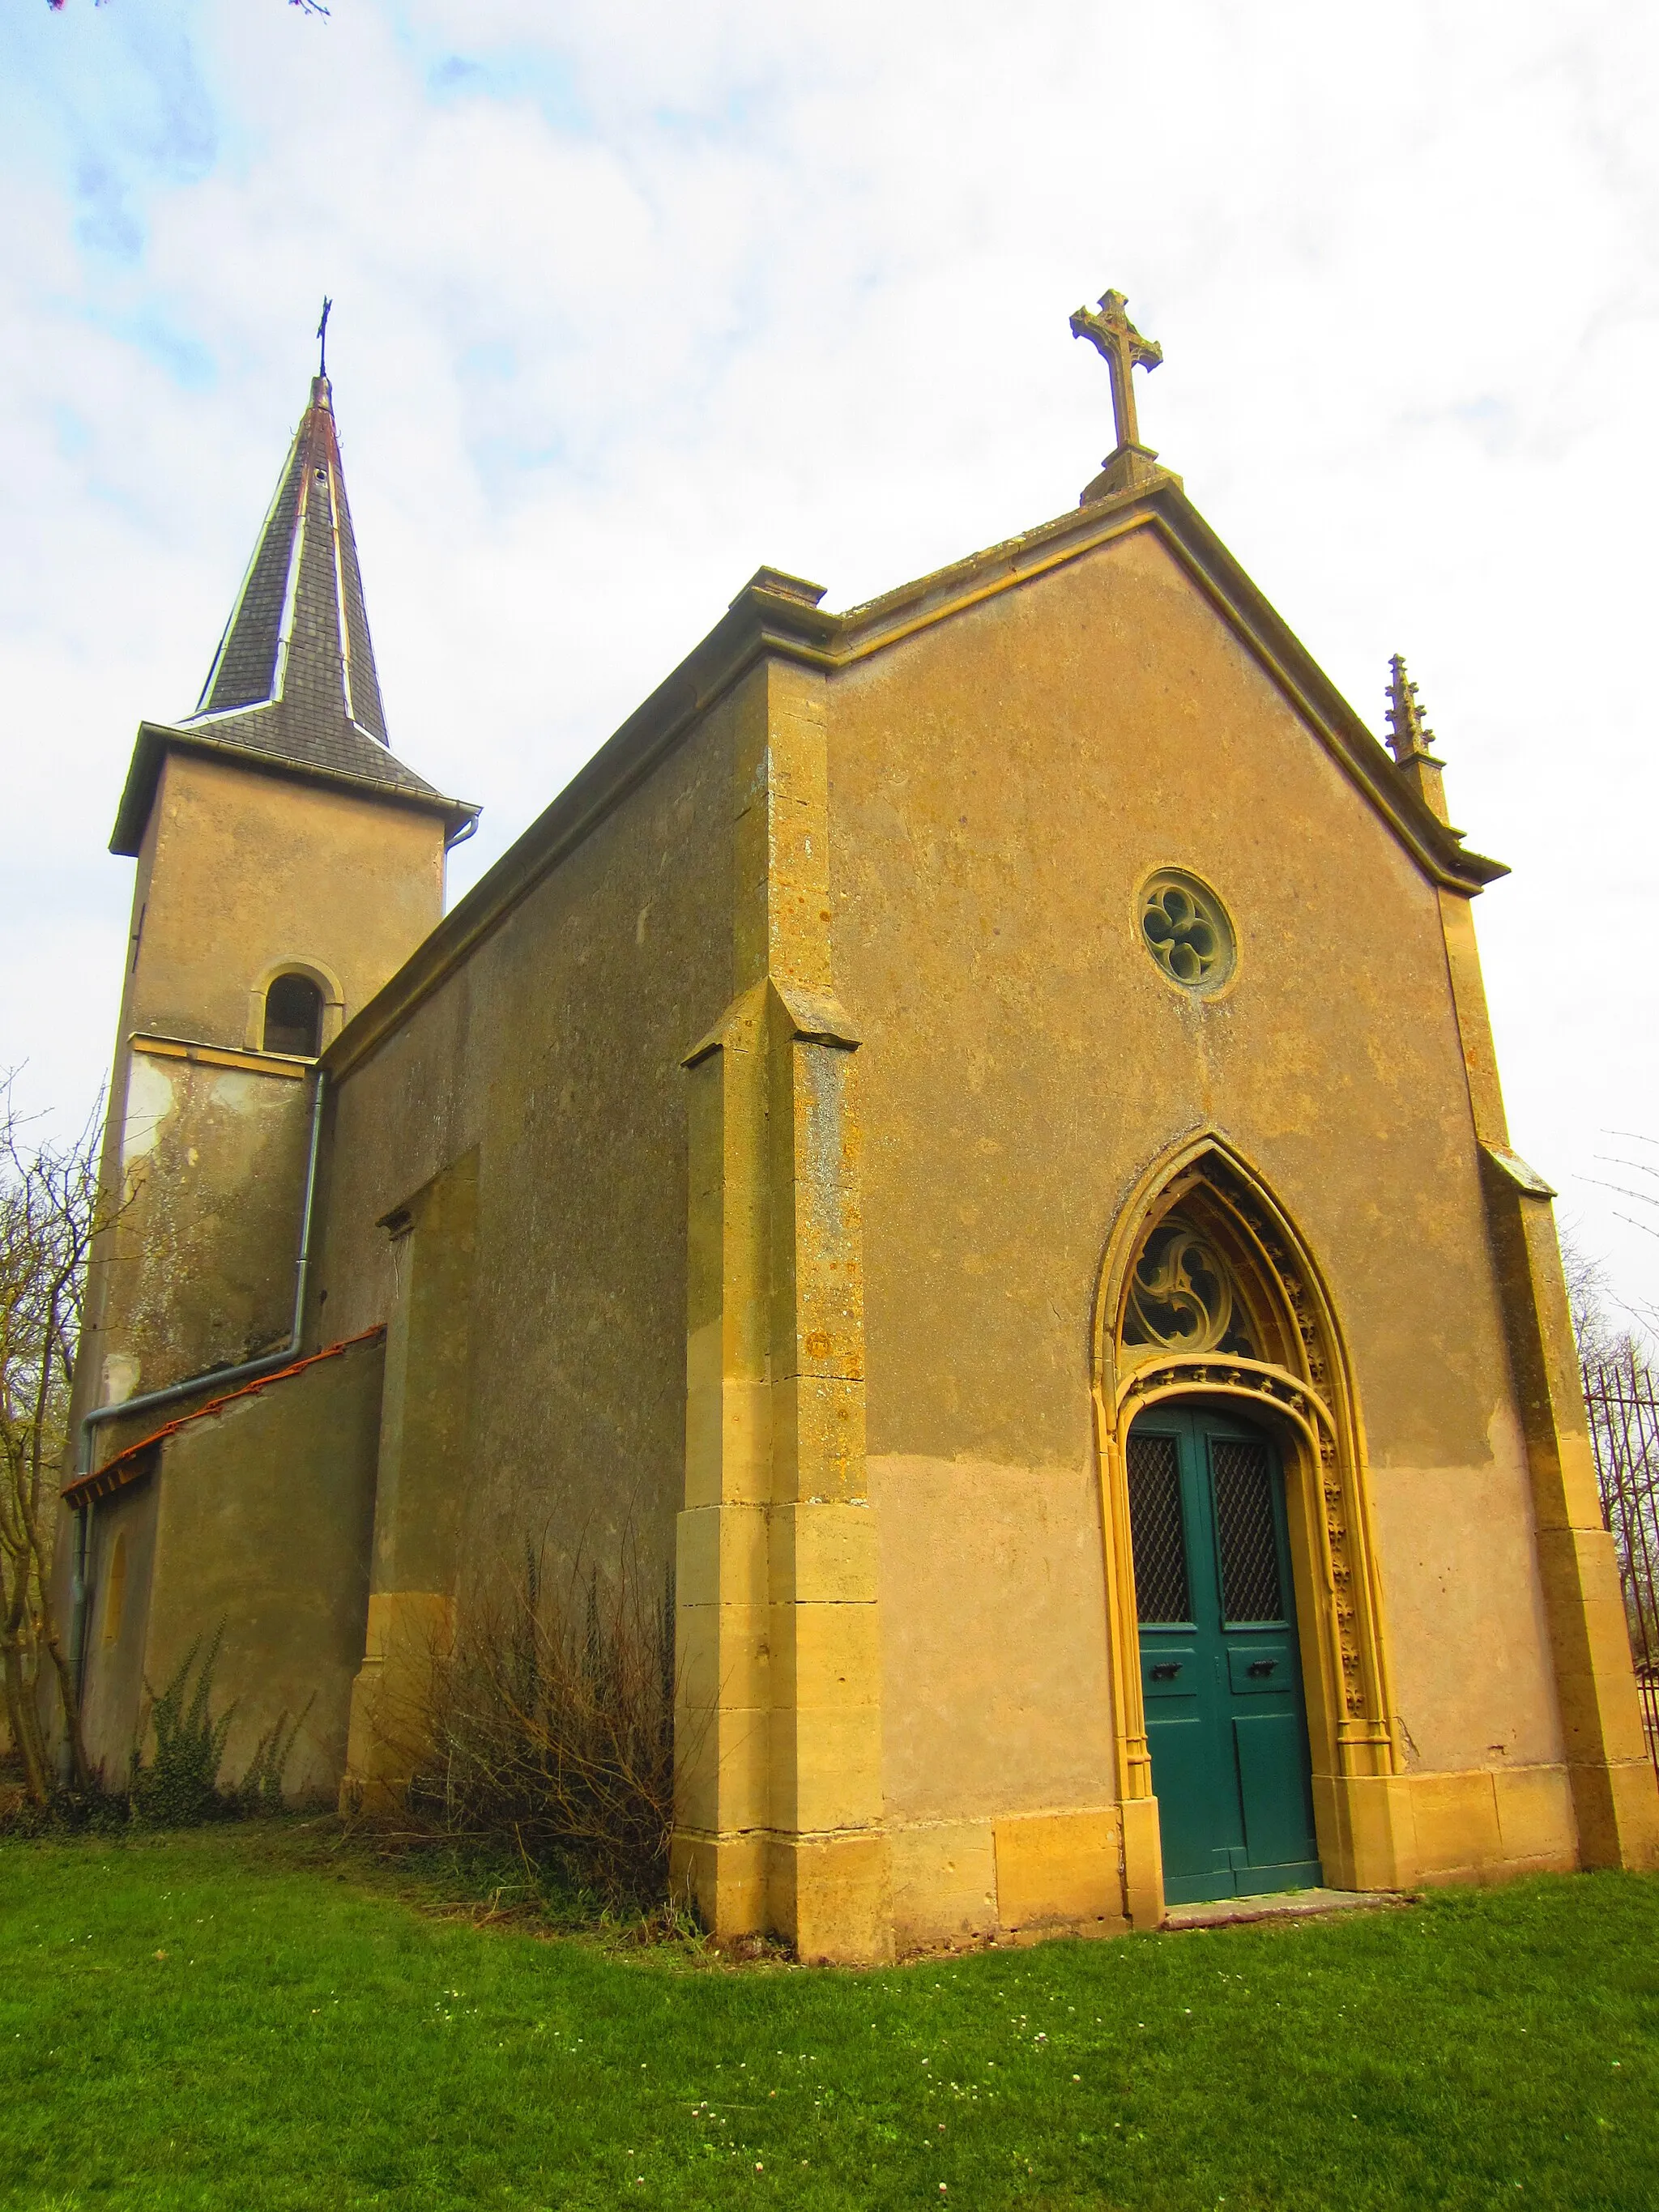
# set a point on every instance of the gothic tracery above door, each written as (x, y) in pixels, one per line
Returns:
(1183, 1297)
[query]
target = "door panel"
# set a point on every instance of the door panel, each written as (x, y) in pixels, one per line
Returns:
(1272, 1771)
(1191, 1817)
(1221, 1670)
(1170, 1671)
(1260, 1670)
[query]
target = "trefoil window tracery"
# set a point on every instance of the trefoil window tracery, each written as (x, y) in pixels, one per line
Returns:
(1184, 1298)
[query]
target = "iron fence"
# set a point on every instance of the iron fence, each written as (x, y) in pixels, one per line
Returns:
(1622, 1395)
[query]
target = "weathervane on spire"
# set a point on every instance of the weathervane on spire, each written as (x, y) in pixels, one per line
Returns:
(1123, 349)
(322, 338)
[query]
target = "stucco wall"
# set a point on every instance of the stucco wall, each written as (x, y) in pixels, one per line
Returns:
(262, 1515)
(196, 1268)
(552, 1053)
(240, 873)
(117, 1631)
(243, 872)
(994, 1638)
(1001, 785)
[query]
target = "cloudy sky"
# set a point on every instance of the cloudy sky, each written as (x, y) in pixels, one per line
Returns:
(632, 296)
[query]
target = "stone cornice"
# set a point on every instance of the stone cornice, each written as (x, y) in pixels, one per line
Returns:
(777, 616)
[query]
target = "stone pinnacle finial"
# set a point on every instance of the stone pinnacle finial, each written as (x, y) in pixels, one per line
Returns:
(1123, 349)
(1409, 735)
(1410, 738)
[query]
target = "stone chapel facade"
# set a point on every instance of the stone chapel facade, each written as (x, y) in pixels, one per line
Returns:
(968, 1131)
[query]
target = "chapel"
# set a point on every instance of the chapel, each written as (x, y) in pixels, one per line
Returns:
(964, 1144)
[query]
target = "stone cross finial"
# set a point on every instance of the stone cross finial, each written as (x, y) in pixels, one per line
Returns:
(1123, 349)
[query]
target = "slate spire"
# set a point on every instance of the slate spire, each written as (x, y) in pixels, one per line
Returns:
(293, 685)
(298, 634)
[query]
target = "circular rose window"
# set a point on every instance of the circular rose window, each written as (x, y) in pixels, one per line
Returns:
(1187, 931)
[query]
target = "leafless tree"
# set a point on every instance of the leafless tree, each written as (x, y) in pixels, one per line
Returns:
(1587, 1296)
(1636, 1163)
(49, 1210)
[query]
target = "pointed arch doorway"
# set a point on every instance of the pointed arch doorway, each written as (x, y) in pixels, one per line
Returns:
(1220, 1662)
(1214, 1334)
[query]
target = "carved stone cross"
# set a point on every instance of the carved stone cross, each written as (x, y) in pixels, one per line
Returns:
(1123, 349)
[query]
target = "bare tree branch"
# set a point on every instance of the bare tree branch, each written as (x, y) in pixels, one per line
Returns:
(1637, 1197)
(49, 1213)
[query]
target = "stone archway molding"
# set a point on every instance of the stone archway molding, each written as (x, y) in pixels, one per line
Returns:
(1301, 1388)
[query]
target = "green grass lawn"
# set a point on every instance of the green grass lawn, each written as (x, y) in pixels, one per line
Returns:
(215, 2019)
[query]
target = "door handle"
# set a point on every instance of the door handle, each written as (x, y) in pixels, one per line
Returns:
(1167, 1672)
(1259, 1667)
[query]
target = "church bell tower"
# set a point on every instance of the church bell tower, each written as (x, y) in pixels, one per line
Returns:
(288, 865)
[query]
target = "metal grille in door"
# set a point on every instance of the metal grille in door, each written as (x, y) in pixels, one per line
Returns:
(1155, 1528)
(1245, 1536)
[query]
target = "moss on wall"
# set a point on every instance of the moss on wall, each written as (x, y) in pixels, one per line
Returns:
(197, 1269)
(124, 1525)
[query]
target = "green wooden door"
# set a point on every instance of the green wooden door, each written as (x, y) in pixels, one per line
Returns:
(1220, 1666)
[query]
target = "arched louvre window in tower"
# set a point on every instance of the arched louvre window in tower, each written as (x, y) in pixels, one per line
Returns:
(293, 1017)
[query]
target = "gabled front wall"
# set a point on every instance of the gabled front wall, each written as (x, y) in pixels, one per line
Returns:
(1001, 785)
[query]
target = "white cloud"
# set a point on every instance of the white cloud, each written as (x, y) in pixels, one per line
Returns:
(633, 297)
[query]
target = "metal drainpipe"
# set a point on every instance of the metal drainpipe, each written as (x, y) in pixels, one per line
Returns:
(245, 1371)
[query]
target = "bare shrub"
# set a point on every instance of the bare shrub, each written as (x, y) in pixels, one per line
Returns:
(552, 1727)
